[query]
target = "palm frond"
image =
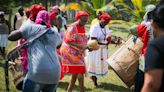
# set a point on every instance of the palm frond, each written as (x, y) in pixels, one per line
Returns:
(137, 4)
(97, 4)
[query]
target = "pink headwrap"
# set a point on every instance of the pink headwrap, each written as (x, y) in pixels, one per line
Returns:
(55, 9)
(43, 16)
(81, 13)
(105, 16)
(53, 12)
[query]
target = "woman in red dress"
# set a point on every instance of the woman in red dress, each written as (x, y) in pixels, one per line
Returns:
(72, 50)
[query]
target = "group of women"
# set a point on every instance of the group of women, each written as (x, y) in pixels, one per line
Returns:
(73, 59)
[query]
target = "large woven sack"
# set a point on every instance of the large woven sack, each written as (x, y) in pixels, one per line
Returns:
(125, 60)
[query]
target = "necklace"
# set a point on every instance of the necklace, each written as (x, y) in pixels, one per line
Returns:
(104, 33)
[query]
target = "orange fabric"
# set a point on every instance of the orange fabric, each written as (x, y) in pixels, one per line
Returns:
(81, 13)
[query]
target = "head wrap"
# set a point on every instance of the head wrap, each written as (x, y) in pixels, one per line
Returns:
(34, 9)
(105, 16)
(81, 13)
(2, 13)
(53, 12)
(149, 8)
(55, 9)
(43, 17)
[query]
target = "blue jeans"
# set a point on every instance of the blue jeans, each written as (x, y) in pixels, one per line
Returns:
(31, 86)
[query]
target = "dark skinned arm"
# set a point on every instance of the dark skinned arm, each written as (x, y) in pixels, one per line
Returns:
(15, 35)
(65, 26)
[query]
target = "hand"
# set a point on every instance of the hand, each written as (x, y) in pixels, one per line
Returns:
(108, 38)
(118, 41)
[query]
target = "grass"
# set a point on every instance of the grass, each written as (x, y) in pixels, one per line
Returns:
(109, 83)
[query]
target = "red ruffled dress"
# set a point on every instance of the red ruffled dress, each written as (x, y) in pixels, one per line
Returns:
(73, 57)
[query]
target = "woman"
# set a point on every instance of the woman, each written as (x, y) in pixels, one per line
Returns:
(19, 18)
(43, 64)
(4, 31)
(72, 50)
(96, 60)
(56, 25)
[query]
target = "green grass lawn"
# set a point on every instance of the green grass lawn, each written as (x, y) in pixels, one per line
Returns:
(109, 83)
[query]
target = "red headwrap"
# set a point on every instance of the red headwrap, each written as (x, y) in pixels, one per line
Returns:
(34, 9)
(105, 16)
(52, 15)
(53, 12)
(81, 13)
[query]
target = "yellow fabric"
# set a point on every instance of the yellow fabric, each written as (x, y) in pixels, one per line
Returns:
(24, 18)
(94, 21)
(99, 10)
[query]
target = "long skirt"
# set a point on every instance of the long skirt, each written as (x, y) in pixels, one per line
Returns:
(96, 62)
(3, 40)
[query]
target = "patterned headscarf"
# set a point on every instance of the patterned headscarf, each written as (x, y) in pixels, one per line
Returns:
(105, 16)
(81, 13)
(43, 16)
(34, 9)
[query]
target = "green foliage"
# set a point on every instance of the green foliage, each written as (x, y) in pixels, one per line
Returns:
(6, 5)
(89, 9)
(97, 4)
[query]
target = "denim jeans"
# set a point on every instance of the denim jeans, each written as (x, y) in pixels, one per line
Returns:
(31, 86)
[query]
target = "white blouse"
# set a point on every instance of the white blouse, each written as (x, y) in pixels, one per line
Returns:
(99, 33)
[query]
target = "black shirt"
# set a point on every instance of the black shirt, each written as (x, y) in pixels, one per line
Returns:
(155, 57)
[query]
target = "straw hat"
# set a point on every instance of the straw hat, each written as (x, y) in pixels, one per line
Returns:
(93, 44)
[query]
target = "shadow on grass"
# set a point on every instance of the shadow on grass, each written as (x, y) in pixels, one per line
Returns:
(64, 86)
(113, 87)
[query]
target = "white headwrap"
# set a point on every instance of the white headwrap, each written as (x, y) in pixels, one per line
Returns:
(2, 13)
(148, 8)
